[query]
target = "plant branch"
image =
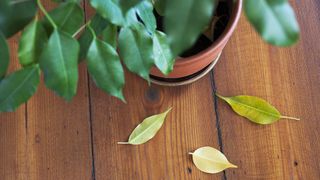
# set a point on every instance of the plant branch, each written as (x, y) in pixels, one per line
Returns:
(81, 28)
(47, 15)
(18, 1)
(92, 31)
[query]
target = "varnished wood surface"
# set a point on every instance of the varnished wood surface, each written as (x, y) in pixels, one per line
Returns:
(50, 139)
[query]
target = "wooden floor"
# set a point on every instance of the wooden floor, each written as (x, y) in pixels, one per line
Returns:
(50, 139)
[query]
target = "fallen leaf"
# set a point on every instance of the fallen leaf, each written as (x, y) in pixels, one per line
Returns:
(255, 109)
(147, 129)
(210, 160)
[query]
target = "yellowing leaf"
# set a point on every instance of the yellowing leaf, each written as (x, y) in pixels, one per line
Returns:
(210, 160)
(255, 109)
(147, 129)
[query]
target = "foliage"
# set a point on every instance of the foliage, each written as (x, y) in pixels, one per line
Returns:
(120, 29)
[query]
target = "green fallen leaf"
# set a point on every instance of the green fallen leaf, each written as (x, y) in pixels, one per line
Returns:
(274, 20)
(31, 44)
(210, 160)
(4, 56)
(59, 63)
(105, 68)
(255, 109)
(18, 87)
(147, 129)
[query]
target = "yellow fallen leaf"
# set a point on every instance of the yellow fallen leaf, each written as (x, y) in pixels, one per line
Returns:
(147, 129)
(255, 109)
(210, 160)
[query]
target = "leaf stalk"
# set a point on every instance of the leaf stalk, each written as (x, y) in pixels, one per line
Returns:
(288, 117)
(81, 28)
(47, 14)
(123, 143)
(92, 31)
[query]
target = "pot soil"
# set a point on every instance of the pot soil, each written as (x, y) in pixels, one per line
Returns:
(201, 58)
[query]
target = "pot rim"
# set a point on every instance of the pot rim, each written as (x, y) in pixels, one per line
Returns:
(191, 80)
(234, 18)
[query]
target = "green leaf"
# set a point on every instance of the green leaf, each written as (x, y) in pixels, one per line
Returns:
(67, 16)
(105, 68)
(274, 20)
(59, 62)
(126, 5)
(162, 53)
(98, 24)
(60, 1)
(32, 41)
(185, 20)
(109, 9)
(131, 18)
(145, 12)
(255, 109)
(147, 129)
(110, 35)
(4, 56)
(15, 15)
(160, 6)
(136, 50)
(18, 87)
(210, 160)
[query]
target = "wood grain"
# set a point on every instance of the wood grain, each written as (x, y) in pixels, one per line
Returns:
(48, 138)
(58, 133)
(190, 125)
(13, 164)
(289, 79)
(51, 139)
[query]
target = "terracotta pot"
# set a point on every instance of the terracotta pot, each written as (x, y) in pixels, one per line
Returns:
(187, 66)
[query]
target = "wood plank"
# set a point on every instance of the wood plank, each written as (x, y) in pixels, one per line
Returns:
(190, 125)
(58, 132)
(289, 79)
(13, 132)
(58, 135)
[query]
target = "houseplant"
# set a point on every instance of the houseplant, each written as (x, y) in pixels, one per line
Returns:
(120, 28)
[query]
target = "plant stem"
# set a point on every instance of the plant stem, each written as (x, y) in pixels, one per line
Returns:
(36, 18)
(92, 31)
(292, 118)
(47, 15)
(80, 29)
(18, 1)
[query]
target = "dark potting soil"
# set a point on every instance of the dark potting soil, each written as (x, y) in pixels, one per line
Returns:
(222, 12)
